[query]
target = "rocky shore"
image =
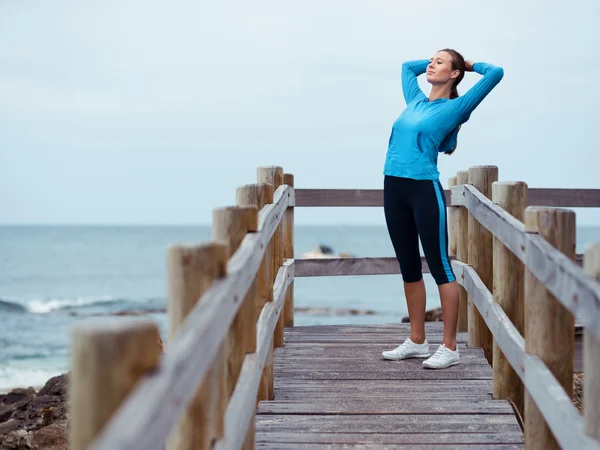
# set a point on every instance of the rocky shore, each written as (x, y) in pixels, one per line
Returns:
(35, 420)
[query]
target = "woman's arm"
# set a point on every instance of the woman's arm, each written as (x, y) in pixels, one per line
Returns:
(491, 77)
(410, 86)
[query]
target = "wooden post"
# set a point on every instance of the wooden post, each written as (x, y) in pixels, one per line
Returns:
(462, 252)
(288, 253)
(231, 225)
(549, 326)
(273, 175)
(107, 360)
(259, 195)
(452, 222)
(591, 357)
(191, 271)
(481, 258)
(509, 291)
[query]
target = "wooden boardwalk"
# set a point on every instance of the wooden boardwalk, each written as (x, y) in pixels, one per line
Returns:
(333, 390)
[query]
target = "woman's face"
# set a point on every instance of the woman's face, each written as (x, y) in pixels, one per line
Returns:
(439, 70)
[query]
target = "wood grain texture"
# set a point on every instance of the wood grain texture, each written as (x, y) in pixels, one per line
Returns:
(591, 387)
(242, 407)
(333, 267)
(481, 257)
(107, 360)
(550, 397)
(191, 272)
(273, 175)
(332, 390)
(384, 265)
(572, 198)
(452, 222)
(231, 224)
(509, 291)
(556, 407)
(288, 253)
(563, 277)
(381, 441)
(147, 416)
(462, 252)
(549, 326)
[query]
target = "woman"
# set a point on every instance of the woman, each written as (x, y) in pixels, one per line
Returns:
(414, 201)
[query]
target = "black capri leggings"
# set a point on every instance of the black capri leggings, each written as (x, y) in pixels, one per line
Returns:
(413, 209)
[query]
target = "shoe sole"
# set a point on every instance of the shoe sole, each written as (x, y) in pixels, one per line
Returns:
(422, 355)
(442, 367)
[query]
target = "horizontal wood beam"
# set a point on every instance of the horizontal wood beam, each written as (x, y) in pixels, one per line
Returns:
(565, 279)
(572, 198)
(333, 267)
(555, 405)
(149, 413)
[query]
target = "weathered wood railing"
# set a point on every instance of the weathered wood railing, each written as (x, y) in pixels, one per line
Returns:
(229, 300)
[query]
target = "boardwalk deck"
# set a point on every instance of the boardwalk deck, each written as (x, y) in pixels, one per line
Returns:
(333, 390)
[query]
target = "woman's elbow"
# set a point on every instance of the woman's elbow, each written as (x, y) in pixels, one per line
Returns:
(498, 73)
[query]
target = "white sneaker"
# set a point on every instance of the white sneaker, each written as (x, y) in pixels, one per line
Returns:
(408, 349)
(442, 358)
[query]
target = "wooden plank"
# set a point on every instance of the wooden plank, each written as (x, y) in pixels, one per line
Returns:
(576, 290)
(241, 408)
(332, 267)
(505, 333)
(447, 374)
(383, 265)
(147, 416)
(339, 197)
(383, 406)
(290, 356)
(386, 423)
(388, 439)
(278, 446)
(398, 385)
(573, 198)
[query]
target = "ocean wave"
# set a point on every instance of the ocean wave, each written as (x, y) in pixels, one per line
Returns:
(24, 377)
(44, 306)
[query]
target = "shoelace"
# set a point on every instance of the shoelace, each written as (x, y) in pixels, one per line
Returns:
(402, 347)
(440, 352)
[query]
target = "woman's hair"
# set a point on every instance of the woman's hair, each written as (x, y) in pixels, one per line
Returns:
(458, 63)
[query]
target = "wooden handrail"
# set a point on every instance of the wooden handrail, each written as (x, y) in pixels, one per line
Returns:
(147, 416)
(556, 406)
(242, 404)
(573, 198)
(576, 290)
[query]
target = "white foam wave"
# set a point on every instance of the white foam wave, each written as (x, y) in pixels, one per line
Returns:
(22, 377)
(48, 305)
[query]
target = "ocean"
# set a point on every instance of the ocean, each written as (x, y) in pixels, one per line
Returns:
(52, 277)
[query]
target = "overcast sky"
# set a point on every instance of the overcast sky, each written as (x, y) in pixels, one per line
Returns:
(154, 112)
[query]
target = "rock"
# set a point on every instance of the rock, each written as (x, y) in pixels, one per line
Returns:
(52, 437)
(6, 411)
(433, 315)
(30, 420)
(7, 427)
(16, 440)
(56, 386)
